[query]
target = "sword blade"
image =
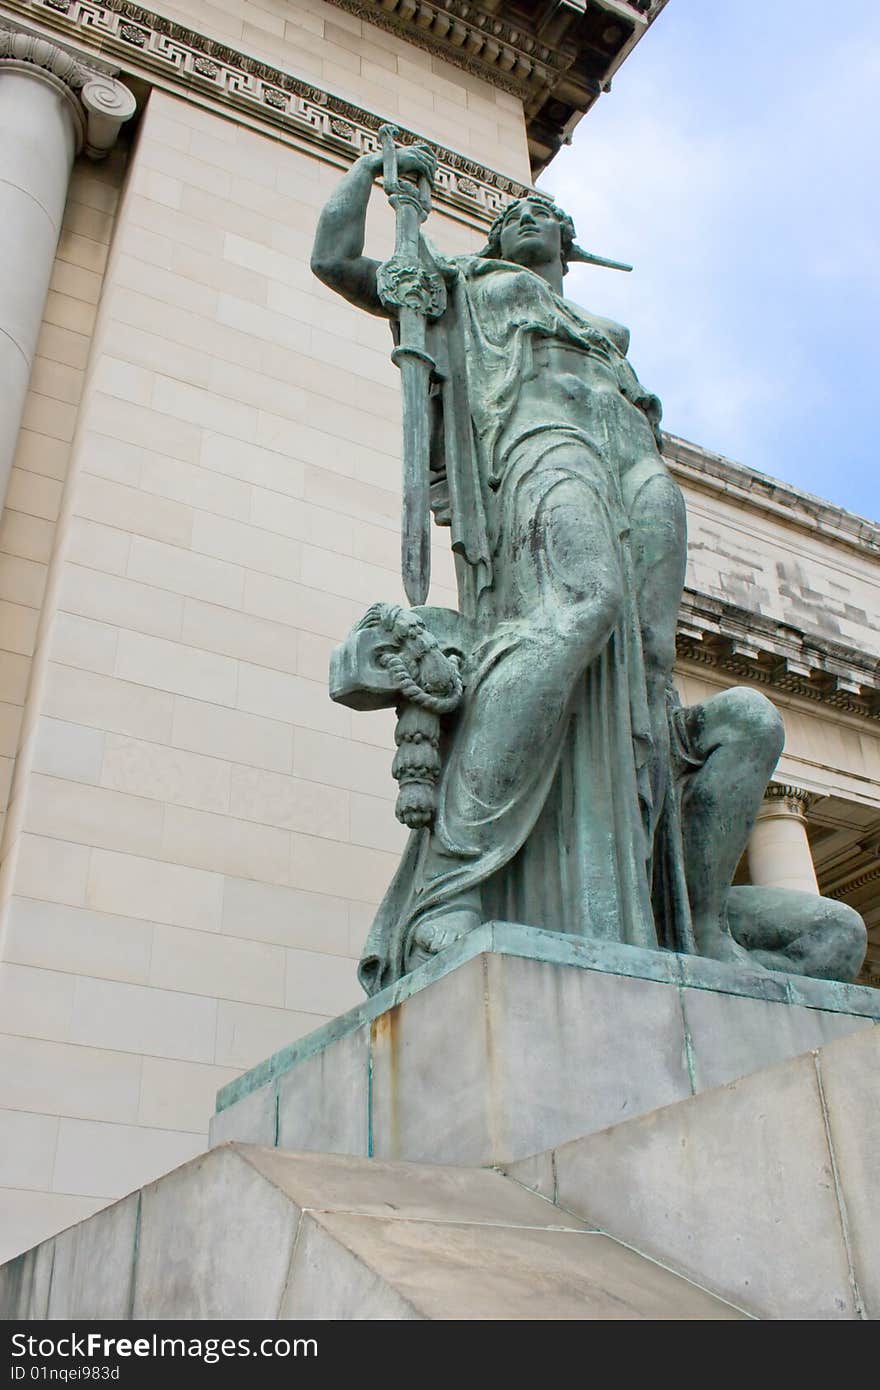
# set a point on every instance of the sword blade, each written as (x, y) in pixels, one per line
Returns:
(415, 537)
(413, 294)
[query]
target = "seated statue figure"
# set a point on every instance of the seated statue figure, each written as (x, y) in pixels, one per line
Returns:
(569, 790)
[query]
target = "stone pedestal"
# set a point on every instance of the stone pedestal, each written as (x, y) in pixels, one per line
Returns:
(517, 1040)
(760, 1193)
(765, 1190)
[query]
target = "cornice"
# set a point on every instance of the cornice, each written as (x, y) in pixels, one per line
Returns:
(468, 35)
(749, 646)
(557, 56)
(147, 45)
(715, 474)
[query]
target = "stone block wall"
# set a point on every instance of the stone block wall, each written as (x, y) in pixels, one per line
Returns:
(198, 837)
(374, 69)
(790, 568)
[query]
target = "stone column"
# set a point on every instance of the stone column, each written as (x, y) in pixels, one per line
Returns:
(779, 851)
(52, 106)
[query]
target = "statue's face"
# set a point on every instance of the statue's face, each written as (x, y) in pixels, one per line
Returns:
(531, 235)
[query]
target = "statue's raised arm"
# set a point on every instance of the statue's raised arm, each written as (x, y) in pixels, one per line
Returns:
(407, 288)
(338, 257)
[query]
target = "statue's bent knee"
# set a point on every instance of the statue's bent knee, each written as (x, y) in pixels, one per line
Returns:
(750, 718)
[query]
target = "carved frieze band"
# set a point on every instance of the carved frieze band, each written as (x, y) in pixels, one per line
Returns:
(144, 42)
(743, 644)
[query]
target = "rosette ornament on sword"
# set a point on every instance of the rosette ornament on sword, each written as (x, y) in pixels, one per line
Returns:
(412, 289)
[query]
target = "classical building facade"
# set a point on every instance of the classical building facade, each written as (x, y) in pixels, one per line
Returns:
(201, 448)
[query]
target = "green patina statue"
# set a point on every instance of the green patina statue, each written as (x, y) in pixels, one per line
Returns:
(547, 771)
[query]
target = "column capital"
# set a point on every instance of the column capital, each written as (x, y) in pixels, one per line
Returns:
(99, 104)
(785, 799)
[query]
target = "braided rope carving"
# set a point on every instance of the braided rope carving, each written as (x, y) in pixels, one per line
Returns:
(430, 685)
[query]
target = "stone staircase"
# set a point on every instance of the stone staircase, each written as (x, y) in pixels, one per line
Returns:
(763, 1190)
(246, 1232)
(753, 1199)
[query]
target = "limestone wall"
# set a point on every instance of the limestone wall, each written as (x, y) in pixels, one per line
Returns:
(199, 837)
(39, 1082)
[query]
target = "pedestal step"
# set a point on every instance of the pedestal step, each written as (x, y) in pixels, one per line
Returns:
(517, 1040)
(257, 1234)
(754, 1199)
(764, 1190)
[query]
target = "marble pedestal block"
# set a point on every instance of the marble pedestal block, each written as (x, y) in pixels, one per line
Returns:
(517, 1040)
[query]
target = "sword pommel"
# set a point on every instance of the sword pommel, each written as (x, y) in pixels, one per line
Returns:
(387, 136)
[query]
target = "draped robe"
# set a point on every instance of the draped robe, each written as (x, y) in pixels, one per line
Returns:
(571, 849)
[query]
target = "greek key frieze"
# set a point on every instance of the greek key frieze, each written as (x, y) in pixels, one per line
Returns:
(142, 42)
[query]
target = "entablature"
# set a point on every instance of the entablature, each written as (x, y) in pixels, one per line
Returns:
(750, 646)
(709, 472)
(148, 47)
(557, 56)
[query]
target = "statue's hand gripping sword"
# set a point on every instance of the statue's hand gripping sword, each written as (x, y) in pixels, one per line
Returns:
(414, 292)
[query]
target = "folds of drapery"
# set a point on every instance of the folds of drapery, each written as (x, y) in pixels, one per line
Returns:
(567, 848)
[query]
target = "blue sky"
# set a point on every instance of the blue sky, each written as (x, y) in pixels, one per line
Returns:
(735, 163)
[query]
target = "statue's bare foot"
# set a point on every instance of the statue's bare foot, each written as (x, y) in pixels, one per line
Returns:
(434, 934)
(718, 944)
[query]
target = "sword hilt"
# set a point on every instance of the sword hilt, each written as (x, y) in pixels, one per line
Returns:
(387, 136)
(394, 188)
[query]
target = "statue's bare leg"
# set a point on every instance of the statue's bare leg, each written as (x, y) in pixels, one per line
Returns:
(737, 737)
(561, 601)
(658, 544)
(799, 933)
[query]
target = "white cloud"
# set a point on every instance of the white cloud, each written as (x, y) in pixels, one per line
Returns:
(742, 183)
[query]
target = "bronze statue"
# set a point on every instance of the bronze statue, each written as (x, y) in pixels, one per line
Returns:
(548, 773)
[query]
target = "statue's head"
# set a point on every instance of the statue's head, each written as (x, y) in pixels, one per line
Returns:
(531, 231)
